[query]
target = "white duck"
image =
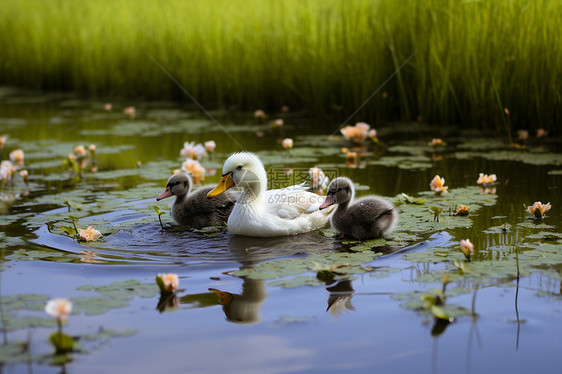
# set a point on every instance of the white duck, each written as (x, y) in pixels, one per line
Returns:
(193, 209)
(367, 218)
(267, 213)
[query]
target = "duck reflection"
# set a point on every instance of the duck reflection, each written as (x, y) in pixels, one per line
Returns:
(244, 307)
(339, 300)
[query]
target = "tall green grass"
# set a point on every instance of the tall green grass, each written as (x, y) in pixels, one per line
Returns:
(471, 59)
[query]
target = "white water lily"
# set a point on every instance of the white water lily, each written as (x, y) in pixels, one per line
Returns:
(59, 308)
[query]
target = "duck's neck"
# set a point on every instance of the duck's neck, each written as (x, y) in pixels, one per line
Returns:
(180, 199)
(341, 208)
(254, 191)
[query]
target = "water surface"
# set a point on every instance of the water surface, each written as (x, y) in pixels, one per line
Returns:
(286, 314)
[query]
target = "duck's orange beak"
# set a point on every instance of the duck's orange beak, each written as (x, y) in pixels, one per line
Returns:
(225, 183)
(225, 298)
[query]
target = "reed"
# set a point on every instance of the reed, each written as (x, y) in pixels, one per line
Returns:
(471, 59)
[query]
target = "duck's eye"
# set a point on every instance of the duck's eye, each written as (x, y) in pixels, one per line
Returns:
(239, 167)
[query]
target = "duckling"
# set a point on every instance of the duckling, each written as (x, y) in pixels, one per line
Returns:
(367, 218)
(196, 210)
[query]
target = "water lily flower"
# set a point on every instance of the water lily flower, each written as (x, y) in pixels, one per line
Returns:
(92, 148)
(7, 169)
(192, 150)
(351, 156)
(59, 308)
(287, 143)
(357, 133)
(25, 175)
(522, 134)
(167, 282)
(437, 184)
(319, 179)
(541, 133)
(278, 123)
(130, 111)
(539, 209)
(462, 210)
(194, 168)
(436, 142)
(3, 139)
(107, 106)
(210, 146)
(486, 179)
(89, 234)
(466, 248)
(285, 108)
(80, 151)
(259, 114)
(17, 156)
(372, 134)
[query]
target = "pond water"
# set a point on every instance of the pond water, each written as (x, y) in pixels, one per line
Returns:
(309, 303)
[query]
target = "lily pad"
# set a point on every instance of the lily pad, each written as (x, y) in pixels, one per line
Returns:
(343, 265)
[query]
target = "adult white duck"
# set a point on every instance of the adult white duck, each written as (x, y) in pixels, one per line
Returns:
(267, 213)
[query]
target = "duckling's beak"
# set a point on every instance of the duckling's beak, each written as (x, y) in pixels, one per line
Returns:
(225, 183)
(329, 201)
(165, 194)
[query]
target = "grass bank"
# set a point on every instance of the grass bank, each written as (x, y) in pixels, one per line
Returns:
(471, 59)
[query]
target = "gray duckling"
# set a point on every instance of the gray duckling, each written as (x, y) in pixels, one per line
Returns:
(369, 217)
(195, 210)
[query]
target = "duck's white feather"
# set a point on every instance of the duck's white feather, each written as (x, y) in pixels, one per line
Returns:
(268, 213)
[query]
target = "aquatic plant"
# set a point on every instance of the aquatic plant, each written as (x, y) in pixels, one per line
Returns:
(210, 146)
(358, 133)
(60, 309)
(538, 209)
(160, 212)
(17, 156)
(319, 179)
(130, 111)
(466, 247)
(287, 143)
(462, 210)
(194, 168)
(437, 184)
(167, 282)
(7, 170)
(486, 179)
(435, 142)
(89, 234)
(192, 150)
